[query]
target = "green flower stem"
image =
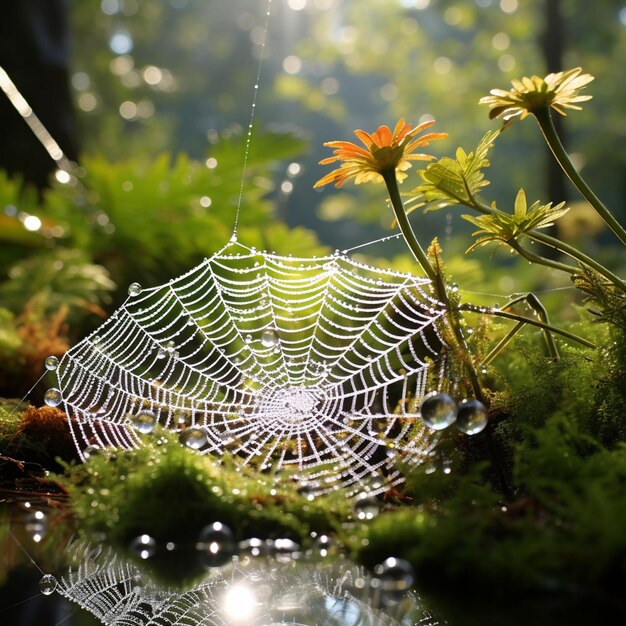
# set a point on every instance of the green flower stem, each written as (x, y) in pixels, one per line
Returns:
(501, 344)
(559, 245)
(405, 226)
(452, 313)
(532, 322)
(578, 255)
(541, 312)
(544, 118)
(534, 258)
(535, 304)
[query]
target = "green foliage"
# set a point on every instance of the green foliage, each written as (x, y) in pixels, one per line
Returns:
(156, 219)
(452, 182)
(504, 228)
(10, 341)
(144, 220)
(608, 304)
(56, 279)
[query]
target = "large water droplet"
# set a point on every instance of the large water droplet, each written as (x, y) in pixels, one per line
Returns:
(216, 545)
(134, 289)
(144, 421)
(193, 438)
(47, 584)
(396, 578)
(472, 417)
(366, 507)
(51, 363)
(438, 410)
(269, 338)
(144, 546)
(53, 397)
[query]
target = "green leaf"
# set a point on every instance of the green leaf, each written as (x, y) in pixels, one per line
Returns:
(505, 228)
(451, 182)
(520, 205)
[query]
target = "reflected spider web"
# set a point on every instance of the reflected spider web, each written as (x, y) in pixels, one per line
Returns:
(264, 592)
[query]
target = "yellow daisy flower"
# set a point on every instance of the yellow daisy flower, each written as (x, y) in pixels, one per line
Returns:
(559, 91)
(384, 151)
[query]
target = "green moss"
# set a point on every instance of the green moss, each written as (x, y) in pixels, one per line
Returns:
(170, 493)
(9, 422)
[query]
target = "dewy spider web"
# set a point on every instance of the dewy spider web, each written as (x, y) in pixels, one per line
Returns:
(282, 362)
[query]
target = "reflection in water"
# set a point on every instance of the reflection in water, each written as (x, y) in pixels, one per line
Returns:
(252, 591)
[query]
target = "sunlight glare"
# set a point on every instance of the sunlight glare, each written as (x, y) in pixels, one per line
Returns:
(240, 603)
(32, 223)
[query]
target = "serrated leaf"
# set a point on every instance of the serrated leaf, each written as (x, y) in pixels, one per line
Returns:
(453, 182)
(506, 228)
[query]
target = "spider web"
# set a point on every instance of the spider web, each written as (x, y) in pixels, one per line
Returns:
(118, 593)
(281, 362)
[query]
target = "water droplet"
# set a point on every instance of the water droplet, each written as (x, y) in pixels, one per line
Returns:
(183, 419)
(269, 338)
(47, 584)
(285, 550)
(308, 490)
(144, 421)
(171, 347)
(216, 545)
(193, 438)
(51, 363)
(438, 410)
(90, 451)
(252, 547)
(323, 545)
(247, 339)
(161, 353)
(472, 417)
(36, 525)
(134, 289)
(53, 397)
(366, 507)
(395, 578)
(144, 546)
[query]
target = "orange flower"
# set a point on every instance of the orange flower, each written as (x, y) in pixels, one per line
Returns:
(384, 152)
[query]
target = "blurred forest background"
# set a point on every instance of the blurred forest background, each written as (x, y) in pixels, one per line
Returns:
(152, 98)
(157, 76)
